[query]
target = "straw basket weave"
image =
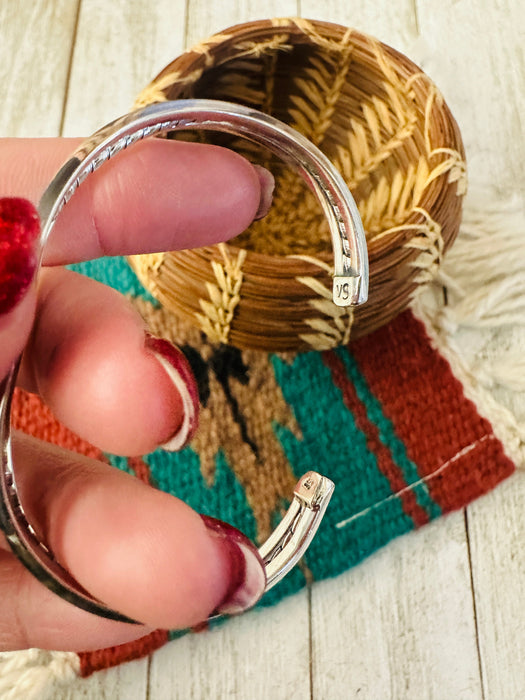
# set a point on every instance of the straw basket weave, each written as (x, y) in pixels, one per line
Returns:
(387, 129)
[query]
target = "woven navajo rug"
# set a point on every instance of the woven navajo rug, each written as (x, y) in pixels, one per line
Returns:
(384, 417)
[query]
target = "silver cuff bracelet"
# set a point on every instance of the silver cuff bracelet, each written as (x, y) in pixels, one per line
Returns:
(350, 286)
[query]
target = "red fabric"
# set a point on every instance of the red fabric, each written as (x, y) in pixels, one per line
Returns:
(91, 661)
(385, 462)
(425, 379)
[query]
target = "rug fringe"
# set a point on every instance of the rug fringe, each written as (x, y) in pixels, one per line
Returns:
(475, 312)
(485, 280)
(34, 674)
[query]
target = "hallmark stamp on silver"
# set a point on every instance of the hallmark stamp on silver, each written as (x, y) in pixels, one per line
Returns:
(345, 290)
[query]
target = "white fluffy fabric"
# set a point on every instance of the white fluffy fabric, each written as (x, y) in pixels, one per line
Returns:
(475, 312)
(35, 674)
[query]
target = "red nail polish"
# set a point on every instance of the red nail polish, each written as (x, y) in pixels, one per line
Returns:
(19, 230)
(247, 578)
(179, 371)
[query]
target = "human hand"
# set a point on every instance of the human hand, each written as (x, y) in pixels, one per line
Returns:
(140, 551)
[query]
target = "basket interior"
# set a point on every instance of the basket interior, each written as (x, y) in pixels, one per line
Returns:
(350, 102)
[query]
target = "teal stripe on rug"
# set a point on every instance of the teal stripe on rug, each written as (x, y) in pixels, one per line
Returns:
(388, 435)
(334, 446)
(116, 273)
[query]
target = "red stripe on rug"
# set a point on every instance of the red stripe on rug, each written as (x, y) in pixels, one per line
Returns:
(91, 661)
(140, 469)
(440, 427)
(385, 463)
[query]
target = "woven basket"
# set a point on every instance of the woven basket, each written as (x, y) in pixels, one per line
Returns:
(387, 129)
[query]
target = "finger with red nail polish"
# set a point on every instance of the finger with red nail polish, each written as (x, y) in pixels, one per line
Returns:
(247, 578)
(159, 195)
(178, 371)
(136, 392)
(19, 231)
(141, 551)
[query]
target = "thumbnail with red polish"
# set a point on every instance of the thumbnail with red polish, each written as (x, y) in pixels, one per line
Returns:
(19, 231)
(247, 578)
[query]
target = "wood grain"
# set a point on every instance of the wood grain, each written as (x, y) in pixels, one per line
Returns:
(206, 18)
(497, 534)
(393, 22)
(120, 46)
(401, 625)
(35, 49)
(481, 49)
(264, 654)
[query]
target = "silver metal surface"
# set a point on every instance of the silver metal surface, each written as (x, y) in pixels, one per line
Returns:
(291, 538)
(340, 209)
(293, 535)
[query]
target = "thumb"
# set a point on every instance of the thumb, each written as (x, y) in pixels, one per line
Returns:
(19, 231)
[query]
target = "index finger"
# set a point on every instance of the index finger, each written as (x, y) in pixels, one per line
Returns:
(160, 195)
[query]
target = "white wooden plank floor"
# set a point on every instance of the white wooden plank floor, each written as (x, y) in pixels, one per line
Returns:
(439, 613)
